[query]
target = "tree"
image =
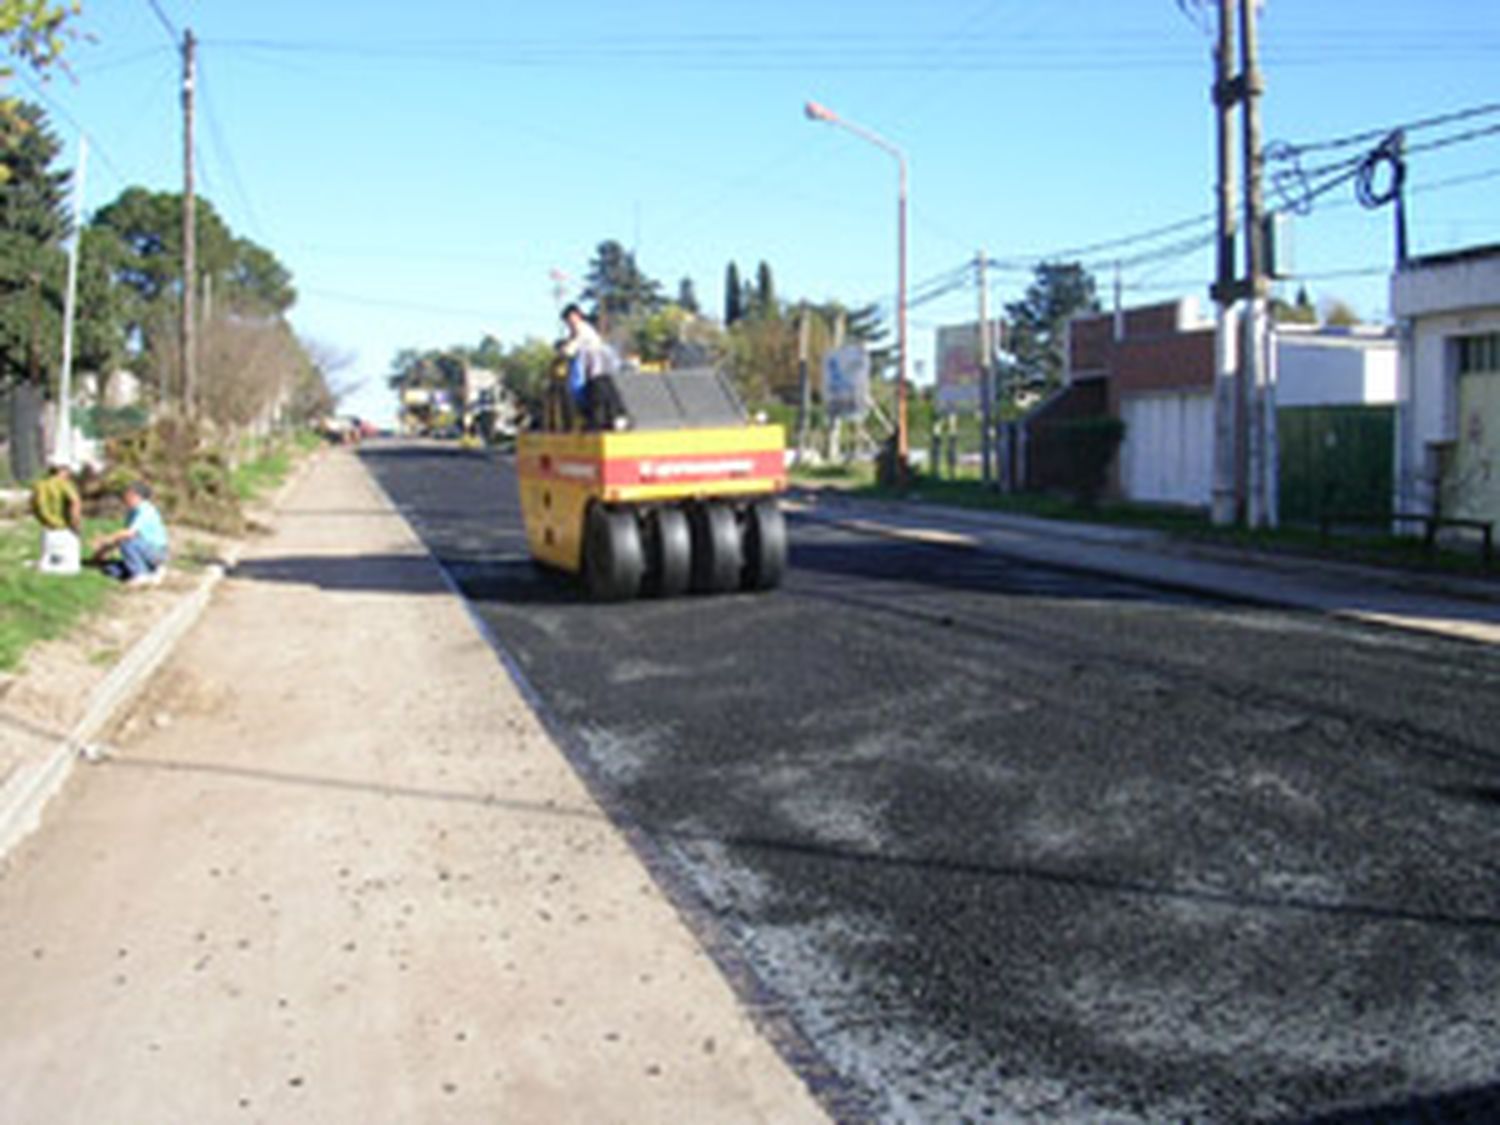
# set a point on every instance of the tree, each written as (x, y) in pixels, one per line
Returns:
(734, 307)
(763, 297)
(33, 223)
(524, 371)
(1339, 313)
(687, 296)
(1302, 311)
(144, 232)
(34, 32)
(616, 286)
(1038, 322)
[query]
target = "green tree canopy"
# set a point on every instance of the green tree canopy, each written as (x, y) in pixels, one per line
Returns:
(34, 34)
(1038, 322)
(33, 223)
(734, 295)
(616, 287)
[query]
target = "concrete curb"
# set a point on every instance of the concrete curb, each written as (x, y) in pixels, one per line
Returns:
(30, 787)
(25, 793)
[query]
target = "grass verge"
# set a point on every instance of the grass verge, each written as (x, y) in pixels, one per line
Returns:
(36, 607)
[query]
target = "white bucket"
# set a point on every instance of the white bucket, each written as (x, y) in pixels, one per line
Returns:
(60, 553)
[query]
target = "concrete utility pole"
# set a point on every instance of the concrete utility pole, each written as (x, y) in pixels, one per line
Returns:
(1227, 478)
(189, 227)
(1254, 374)
(804, 382)
(986, 384)
(62, 441)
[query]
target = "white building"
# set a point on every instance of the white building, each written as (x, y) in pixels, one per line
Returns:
(1324, 366)
(1448, 427)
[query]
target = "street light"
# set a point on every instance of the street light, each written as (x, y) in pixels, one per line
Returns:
(816, 112)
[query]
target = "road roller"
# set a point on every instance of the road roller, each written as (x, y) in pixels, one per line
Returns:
(660, 485)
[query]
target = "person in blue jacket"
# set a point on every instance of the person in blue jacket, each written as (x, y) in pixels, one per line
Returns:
(142, 543)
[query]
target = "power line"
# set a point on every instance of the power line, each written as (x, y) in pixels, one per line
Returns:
(221, 148)
(56, 107)
(1368, 135)
(170, 27)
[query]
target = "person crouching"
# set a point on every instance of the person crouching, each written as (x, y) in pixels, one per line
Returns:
(141, 545)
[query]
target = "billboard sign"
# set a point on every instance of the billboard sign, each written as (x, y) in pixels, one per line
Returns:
(846, 382)
(958, 368)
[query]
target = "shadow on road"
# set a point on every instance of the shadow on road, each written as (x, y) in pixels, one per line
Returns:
(391, 573)
(356, 785)
(1474, 1105)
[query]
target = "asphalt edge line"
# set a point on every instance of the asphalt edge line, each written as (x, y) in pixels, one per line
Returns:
(769, 1014)
(25, 793)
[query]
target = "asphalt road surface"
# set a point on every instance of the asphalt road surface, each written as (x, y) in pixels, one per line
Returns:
(1005, 842)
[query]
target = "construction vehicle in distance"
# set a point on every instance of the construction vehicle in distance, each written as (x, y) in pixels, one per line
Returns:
(671, 489)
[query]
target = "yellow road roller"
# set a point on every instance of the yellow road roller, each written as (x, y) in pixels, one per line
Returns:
(660, 486)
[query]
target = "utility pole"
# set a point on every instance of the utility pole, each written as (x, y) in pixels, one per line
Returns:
(189, 228)
(804, 382)
(62, 441)
(1254, 376)
(986, 385)
(1227, 474)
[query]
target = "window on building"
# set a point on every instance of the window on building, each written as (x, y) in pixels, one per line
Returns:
(1479, 353)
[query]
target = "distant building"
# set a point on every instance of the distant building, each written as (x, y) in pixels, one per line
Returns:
(1448, 431)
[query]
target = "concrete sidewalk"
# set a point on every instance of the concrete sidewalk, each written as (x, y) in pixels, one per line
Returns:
(1456, 607)
(334, 870)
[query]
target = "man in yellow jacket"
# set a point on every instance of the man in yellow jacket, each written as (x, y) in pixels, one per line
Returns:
(59, 509)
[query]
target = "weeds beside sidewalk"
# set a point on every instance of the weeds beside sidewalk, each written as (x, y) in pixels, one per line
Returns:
(35, 607)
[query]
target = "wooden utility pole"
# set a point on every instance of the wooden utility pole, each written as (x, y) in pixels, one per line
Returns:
(189, 228)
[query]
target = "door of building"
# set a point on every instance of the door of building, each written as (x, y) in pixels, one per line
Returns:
(1473, 486)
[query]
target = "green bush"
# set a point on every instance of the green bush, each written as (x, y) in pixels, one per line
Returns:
(1092, 443)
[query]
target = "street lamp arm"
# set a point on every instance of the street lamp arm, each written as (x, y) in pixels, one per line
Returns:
(816, 112)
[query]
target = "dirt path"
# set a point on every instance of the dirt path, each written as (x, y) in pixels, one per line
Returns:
(336, 872)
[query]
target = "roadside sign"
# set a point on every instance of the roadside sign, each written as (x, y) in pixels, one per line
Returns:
(846, 382)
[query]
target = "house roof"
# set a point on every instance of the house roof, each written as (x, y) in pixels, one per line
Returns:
(1454, 257)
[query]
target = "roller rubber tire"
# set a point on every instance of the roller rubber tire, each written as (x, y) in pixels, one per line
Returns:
(669, 571)
(613, 559)
(717, 558)
(765, 546)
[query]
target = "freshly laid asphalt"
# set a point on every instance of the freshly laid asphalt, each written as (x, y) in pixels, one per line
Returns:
(1065, 825)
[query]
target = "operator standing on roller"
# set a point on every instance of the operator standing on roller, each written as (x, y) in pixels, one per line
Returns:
(588, 356)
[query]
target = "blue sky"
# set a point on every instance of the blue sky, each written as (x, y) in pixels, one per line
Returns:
(422, 167)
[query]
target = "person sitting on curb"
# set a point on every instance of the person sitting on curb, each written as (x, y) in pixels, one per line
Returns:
(59, 509)
(141, 543)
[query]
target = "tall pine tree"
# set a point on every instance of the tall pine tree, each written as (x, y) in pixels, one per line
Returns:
(33, 224)
(734, 308)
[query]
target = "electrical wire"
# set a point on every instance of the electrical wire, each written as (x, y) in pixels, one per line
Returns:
(166, 23)
(225, 157)
(1368, 135)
